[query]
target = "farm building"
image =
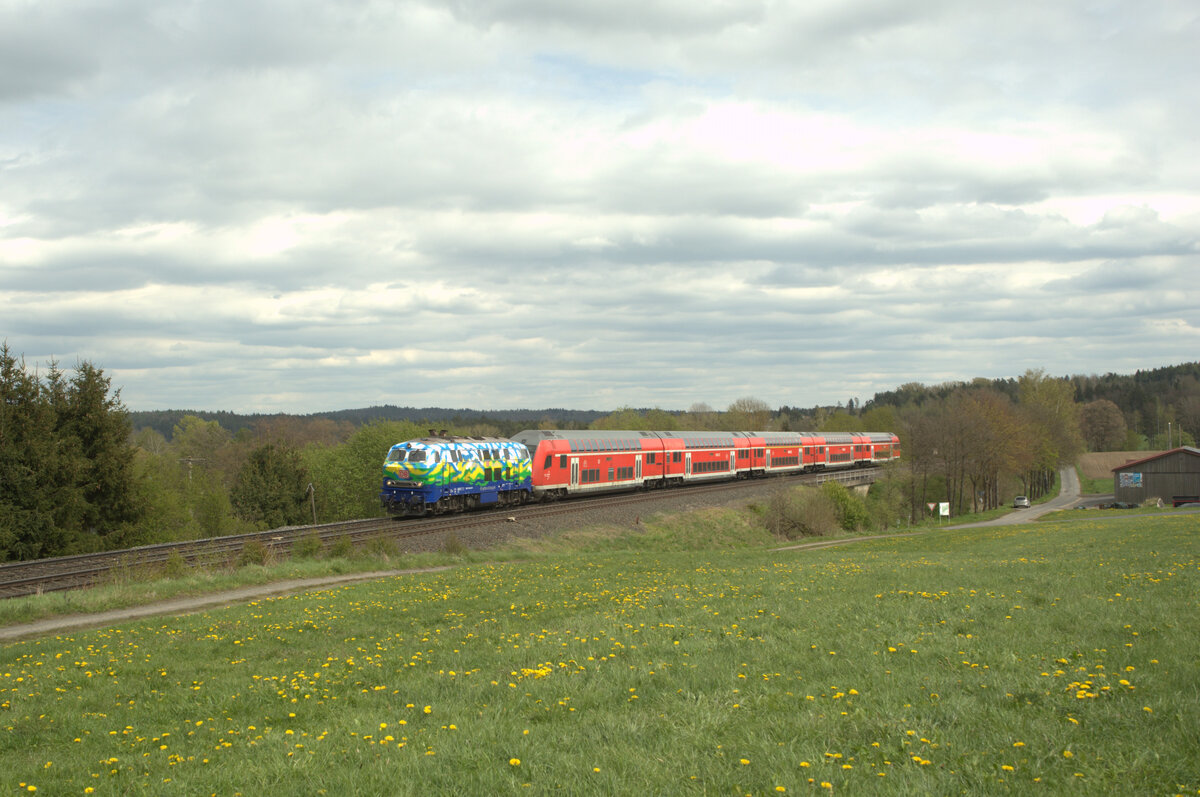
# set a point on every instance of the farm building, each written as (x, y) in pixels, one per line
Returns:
(1173, 476)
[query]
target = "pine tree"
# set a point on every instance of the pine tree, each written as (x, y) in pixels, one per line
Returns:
(96, 424)
(27, 497)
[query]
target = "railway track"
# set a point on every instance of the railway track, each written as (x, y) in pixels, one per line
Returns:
(86, 570)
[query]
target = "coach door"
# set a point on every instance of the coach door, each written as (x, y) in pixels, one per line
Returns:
(768, 459)
(637, 468)
(687, 464)
(733, 462)
(574, 472)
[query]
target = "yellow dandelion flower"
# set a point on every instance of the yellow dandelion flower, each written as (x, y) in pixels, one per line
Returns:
(514, 762)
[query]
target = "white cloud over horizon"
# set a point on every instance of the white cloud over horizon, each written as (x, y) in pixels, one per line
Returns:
(312, 206)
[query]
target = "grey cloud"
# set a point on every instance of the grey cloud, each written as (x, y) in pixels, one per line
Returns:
(530, 204)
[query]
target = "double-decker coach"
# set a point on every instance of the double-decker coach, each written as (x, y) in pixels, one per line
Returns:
(571, 462)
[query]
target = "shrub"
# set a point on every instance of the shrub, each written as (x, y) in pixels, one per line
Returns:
(453, 545)
(383, 548)
(175, 566)
(800, 512)
(851, 512)
(254, 552)
(307, 547)
(343, 548)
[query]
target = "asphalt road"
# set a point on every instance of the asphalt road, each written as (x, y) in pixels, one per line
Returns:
(1067, 498)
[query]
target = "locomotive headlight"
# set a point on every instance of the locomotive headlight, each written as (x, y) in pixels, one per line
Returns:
(389, 483)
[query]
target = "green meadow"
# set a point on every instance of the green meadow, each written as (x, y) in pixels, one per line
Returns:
(1056, 658)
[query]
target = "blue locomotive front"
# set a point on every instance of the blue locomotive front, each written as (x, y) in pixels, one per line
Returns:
(440, 474)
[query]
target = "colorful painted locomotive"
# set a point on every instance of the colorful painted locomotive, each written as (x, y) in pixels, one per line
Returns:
(442, 473)
(439, 474)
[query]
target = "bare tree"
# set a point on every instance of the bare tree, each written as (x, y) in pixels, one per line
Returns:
(1102, 425)
(747, 415)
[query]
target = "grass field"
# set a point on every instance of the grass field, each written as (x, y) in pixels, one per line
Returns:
(1056, 658)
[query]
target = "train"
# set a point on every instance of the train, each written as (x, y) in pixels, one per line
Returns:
(444, 473)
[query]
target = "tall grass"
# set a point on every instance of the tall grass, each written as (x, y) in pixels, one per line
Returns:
(1059, 658)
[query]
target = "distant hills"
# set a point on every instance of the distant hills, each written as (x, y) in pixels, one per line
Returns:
(164, 421)
(1148, 399)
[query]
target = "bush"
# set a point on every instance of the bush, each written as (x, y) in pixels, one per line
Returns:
(343, 548)
(887, 503)
(851, 512)
(307, 547)
(254, 552)
(800, 512)
(453, 545)
(175, 566)
(383, 548)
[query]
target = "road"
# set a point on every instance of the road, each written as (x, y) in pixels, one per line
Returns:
(1067, 498)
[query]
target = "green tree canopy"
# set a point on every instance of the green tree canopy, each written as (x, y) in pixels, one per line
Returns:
(271, 487)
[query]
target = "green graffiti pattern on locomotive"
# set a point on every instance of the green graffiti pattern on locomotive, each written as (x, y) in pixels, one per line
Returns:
(424, 463)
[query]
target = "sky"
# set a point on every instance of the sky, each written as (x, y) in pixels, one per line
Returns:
(306, 205)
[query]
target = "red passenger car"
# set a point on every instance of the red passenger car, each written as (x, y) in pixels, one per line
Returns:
(572, 462)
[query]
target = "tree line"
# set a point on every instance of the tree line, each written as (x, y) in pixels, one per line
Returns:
(75, 475)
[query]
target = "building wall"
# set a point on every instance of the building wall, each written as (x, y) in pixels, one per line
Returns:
(1170, 476)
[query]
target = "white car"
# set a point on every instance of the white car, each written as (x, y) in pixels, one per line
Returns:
(1021, 502)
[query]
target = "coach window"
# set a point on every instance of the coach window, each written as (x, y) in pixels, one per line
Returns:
(562, 460)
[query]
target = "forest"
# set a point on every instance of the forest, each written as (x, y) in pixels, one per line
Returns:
(79, 472)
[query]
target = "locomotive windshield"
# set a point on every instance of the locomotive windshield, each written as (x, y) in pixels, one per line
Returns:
(402, 454)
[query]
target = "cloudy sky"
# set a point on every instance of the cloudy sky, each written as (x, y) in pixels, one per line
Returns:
(308, 205)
